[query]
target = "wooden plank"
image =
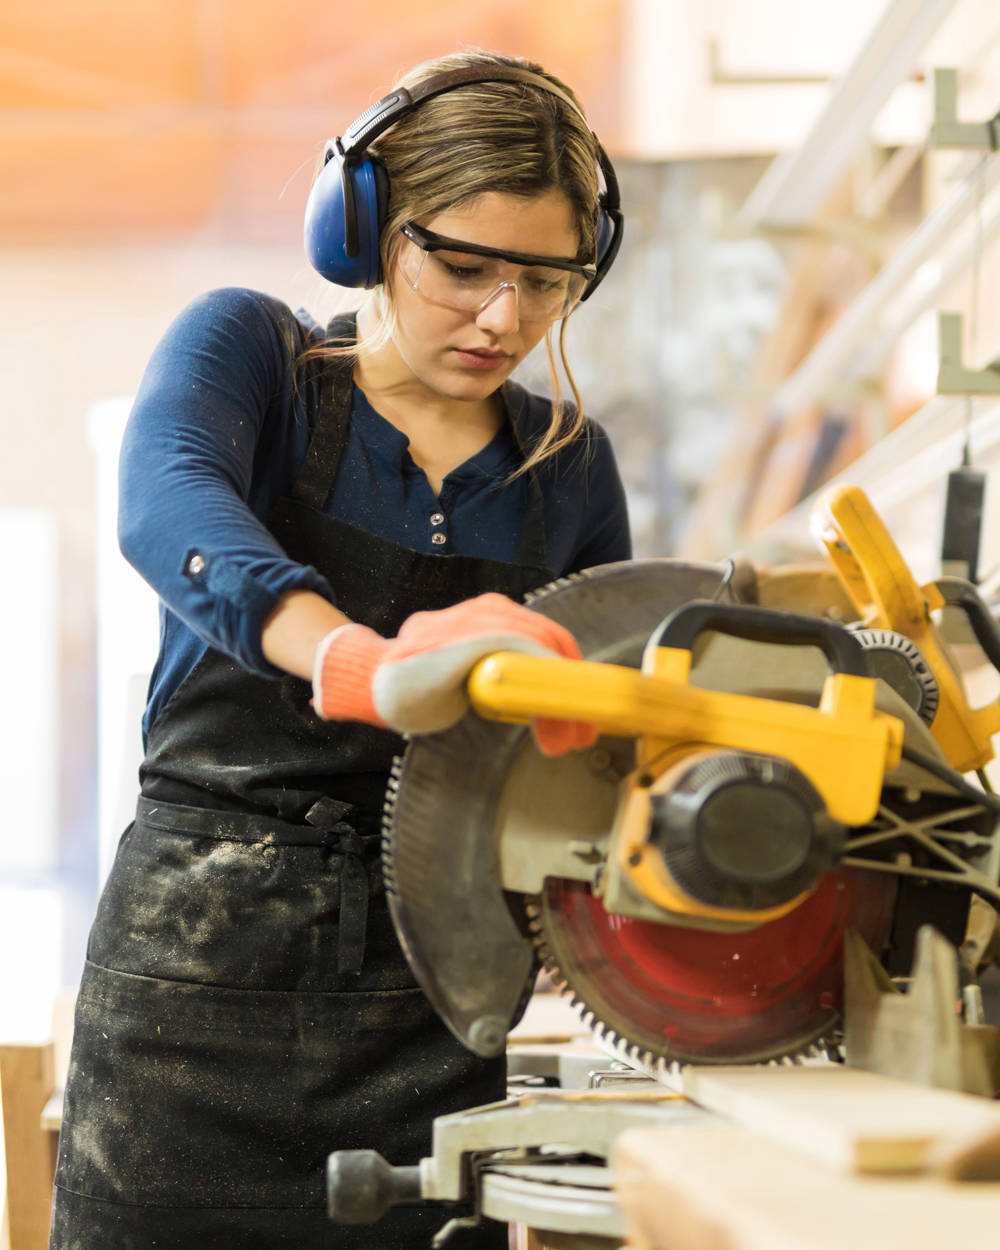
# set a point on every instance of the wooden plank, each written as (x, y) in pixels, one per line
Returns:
(30, 1152)
(52, 1113)
(860, 1121)
(722, 1187)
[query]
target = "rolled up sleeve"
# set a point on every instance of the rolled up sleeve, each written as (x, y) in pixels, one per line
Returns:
(216, 398)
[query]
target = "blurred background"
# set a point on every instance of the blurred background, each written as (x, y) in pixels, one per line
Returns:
(794, 227)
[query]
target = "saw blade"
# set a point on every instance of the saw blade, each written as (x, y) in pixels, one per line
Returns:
(685, 995)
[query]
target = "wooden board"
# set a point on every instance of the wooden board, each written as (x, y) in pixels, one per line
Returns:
(856, 1120)
(30, 1152)
(722, 1187)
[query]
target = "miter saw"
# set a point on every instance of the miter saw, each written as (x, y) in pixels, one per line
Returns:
(765, 780)
(782, 759)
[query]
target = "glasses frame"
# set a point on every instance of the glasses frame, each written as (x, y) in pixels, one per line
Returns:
(427, 241)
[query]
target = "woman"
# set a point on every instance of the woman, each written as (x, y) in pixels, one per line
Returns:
(338, 524)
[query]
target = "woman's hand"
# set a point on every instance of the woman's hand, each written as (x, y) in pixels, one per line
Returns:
(415, 683)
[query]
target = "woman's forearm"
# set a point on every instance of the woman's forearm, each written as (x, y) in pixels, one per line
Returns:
(300, 620)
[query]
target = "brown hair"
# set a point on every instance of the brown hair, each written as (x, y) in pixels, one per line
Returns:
(511, 137)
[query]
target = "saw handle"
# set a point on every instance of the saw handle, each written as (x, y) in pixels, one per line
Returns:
(886, 596)
(681, 628)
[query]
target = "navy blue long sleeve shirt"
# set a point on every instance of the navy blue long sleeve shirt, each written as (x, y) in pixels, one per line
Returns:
(218, 434)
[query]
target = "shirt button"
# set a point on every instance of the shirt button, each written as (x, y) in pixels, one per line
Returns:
(195, 565)
(438, 539)
(437, 518)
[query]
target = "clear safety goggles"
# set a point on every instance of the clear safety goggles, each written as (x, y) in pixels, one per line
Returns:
(468, 277)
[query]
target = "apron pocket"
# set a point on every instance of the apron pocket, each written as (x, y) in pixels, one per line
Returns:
(212, 1096)
(251, 915)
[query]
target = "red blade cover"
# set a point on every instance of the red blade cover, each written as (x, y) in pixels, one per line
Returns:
(693, 995)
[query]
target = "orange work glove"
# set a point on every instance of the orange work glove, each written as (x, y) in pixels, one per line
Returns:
(415, 683)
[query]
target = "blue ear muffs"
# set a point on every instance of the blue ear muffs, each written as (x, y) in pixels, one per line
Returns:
(349, 202)
(344, 218)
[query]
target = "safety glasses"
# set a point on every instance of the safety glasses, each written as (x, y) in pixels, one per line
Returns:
(468, 277)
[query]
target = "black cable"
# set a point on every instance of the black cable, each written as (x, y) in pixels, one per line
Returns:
(952, 778)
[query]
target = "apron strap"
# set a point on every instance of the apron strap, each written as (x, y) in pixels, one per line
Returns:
(329, 437)
(328, 814)
(532, 546)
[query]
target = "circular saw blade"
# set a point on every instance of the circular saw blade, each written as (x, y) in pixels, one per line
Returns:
(687, 995)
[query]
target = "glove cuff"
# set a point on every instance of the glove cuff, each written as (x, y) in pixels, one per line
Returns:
(343, 669)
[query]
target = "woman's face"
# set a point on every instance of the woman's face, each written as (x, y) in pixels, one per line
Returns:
(467, 355)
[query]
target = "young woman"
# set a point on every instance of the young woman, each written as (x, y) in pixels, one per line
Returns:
(339, 523)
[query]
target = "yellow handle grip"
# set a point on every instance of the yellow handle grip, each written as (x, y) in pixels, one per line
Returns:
(844, 747)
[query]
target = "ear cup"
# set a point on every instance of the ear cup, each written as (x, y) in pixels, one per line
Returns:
(610, 222)
(344, 216)
(605, 236)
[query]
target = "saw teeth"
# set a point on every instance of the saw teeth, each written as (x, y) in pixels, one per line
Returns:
(541, 592)
(388, 822)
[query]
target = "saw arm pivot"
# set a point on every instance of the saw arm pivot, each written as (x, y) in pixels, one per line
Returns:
(886, 596)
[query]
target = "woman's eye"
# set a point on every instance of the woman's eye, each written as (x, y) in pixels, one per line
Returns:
(544, 285)
(464, 272)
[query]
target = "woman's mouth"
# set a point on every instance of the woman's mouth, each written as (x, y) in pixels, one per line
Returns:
(481, 357)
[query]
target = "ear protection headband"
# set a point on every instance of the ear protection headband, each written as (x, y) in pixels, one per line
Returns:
(349, 201)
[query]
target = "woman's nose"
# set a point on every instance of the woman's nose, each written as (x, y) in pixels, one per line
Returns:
(500, 313)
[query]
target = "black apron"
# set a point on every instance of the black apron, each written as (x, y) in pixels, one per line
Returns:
(245, 1006)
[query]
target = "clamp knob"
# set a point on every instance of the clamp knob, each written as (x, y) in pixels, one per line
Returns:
(361, 1186)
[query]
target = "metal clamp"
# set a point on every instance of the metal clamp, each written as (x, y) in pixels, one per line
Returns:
(946, 130)
(954, 377)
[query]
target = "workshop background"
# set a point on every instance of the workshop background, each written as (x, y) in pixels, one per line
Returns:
(791, 236)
